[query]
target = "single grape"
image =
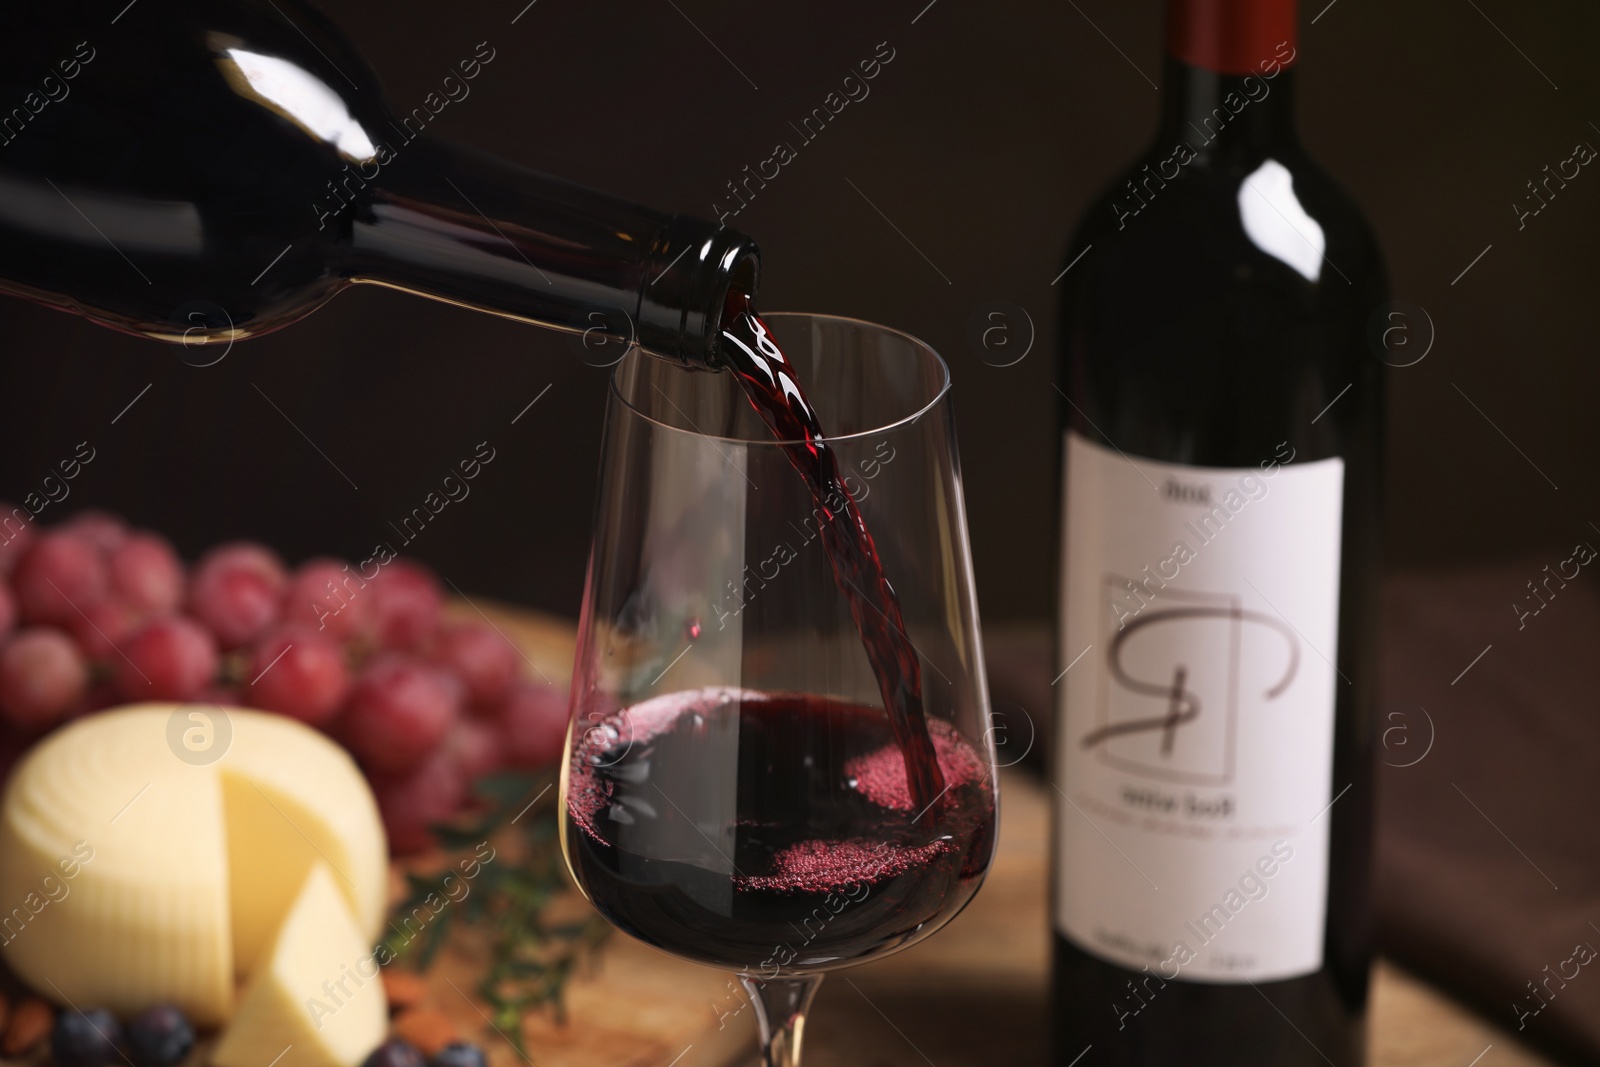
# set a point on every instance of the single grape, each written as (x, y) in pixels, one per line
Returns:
(147, 574)
(477, 747)
(299, 672)
(61, 574)
(86, 1038)
(159, 1037)
(481, 657)
(411, 803)
(43, 678)
(406, 604)
(100, 528)
(533, 720)
(103, 629)
(330, 596)
(237, 590)
(251, 555)
(397, 714)
(170, 659)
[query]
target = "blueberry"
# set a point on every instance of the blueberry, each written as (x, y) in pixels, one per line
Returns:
(159, 1037)
(86, 1039)
(395, 1053)
(460, 1054)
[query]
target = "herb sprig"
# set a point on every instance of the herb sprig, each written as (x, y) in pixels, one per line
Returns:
(532, 954)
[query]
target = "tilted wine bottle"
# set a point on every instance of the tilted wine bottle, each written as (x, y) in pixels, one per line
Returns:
(215, 169)
(1221, 412)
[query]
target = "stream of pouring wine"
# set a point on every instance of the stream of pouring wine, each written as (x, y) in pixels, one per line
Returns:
(776, 394)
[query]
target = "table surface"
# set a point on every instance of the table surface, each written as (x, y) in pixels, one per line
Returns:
(978, 991)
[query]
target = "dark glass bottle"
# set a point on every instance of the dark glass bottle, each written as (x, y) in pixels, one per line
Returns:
(1222, 413)
(216, 169)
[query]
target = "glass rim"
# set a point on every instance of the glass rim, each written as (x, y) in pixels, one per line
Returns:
(933, 401)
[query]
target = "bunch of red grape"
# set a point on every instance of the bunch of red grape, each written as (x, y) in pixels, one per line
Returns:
(94, 614)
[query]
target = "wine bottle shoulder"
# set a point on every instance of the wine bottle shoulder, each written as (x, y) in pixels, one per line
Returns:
(1209, 301)
(1215, 210)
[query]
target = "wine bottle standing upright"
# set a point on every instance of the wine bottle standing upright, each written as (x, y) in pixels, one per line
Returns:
(1221, 469)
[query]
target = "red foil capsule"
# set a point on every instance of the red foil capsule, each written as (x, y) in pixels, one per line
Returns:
(1232, 36)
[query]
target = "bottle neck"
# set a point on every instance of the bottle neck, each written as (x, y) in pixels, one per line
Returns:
(446, 222)
(1228, 82)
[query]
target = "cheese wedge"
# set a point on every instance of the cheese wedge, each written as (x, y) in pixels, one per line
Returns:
(316, 999)
(291, 798)
(138, 873)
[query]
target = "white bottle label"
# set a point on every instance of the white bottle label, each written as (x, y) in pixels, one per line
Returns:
(1194, 750)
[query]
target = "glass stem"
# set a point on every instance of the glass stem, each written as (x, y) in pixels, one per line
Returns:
(781, 1006)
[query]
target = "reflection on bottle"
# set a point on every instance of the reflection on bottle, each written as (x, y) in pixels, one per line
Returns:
(1275, 221)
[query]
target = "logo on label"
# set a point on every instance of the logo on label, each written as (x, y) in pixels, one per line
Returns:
(1168, 702)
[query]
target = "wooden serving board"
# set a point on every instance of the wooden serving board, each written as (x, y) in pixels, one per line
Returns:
(636, 1008)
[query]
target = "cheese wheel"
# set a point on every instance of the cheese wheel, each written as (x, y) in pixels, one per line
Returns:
(148, 854)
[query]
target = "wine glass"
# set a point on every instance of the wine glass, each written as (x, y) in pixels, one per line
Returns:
(734, 791)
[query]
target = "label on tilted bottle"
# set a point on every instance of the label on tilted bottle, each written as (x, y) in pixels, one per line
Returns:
(1194, 749)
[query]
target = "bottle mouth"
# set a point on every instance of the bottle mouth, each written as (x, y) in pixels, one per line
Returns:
(688, 278)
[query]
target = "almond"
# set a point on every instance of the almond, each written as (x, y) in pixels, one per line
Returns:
(405, 989)
(427, 1028)
(29, 1024)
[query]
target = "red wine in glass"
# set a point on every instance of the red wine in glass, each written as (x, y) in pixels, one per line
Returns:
(822, 856)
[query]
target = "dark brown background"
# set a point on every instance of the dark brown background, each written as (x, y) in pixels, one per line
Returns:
(981, 141)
